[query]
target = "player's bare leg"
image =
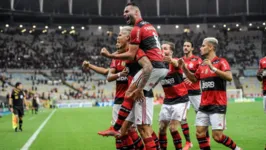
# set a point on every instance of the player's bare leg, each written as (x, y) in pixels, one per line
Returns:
(201, 137)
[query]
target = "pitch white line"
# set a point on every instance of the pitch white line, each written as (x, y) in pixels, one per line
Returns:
(34, 136)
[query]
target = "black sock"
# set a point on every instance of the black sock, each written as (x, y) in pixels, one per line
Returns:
(20, 123)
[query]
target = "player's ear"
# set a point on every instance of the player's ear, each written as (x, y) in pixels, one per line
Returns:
(128, 37)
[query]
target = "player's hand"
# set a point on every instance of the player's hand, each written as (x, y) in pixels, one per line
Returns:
(207, 62)
(86, 65)
(11, 110)
(167, 59)
(138, 95)
(105, 53)
(124, 73)
(181, 62)
(187, 81)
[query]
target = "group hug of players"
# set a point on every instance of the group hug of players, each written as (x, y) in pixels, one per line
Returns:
(139, 64)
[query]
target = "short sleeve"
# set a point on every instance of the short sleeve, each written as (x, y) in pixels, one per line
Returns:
(197, 73)
(113, 64)
(135, 35)
(224, 65)
(140, 54)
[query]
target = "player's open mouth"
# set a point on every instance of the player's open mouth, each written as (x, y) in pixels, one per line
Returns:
(127, 19)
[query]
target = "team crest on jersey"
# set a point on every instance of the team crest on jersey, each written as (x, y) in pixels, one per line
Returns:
(190, 65)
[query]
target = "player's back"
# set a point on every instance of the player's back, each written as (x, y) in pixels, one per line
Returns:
(147, 37)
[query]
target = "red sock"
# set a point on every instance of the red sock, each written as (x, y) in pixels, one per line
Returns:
(185, 129)
(127, 142)
(177, 140)
(203, 143)
(149, 143)
(156, 140)
(227, 141)
(136, 139)
(124, 111)
(163, 141)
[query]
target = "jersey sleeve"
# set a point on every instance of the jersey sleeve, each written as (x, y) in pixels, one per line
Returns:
(113, 64)
(197, 73)
(224, 66)
(140, 54)
(135, 35)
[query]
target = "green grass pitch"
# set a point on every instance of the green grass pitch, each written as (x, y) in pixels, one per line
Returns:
(76, 129)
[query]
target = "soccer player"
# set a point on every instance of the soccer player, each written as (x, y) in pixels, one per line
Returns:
(16, 104)
(174, 107)
(261, 75)
(119, 73)
(143, 36)
(192, 62)
(213, 73)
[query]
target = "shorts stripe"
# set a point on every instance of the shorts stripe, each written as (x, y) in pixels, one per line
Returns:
(224, 122)
(144, 112)
(139, 79)
(184, 111)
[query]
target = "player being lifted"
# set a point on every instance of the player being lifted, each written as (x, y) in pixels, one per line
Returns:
(143, 36)
(213, 74)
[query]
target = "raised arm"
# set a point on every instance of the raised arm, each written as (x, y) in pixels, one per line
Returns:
(100, 70)
(112, 76)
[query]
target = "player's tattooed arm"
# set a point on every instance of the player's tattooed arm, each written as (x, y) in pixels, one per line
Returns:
(187, 72)
(112, 76)
(147, 69)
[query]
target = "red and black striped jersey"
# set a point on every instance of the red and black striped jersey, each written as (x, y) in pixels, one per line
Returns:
(121, 82)
(146, 36)
(213, 97)
(192, 64)
(174, 86)
(263, 67)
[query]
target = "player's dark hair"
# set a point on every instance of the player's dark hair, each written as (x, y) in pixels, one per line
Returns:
(132, 4)
(189, 41)
(171, 44)
(17, 84)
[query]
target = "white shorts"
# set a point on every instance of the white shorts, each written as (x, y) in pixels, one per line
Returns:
(195, 101)
(115, 111)
(173, 112)
(157, 75)
(264, 103)
(217, 121)
(142, 113)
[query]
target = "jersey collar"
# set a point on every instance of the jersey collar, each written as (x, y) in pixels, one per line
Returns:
(139, 20)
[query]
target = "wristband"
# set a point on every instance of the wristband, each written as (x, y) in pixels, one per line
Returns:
(214, 69)
(119, 74)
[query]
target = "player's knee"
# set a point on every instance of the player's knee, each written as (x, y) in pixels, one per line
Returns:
(217, 135)
(163, 127)
(145, 131)
(173, 126)
(200, 133)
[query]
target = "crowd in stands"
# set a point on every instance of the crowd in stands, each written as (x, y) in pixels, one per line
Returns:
(55, 50)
